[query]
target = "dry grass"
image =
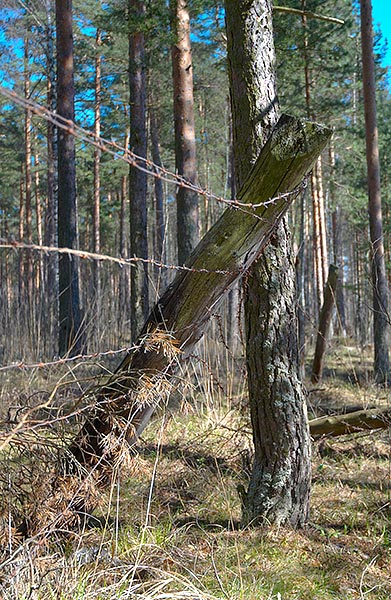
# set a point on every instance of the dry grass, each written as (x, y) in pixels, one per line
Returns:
(167, 525)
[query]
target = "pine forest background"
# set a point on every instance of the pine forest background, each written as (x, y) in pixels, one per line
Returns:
(326, 53)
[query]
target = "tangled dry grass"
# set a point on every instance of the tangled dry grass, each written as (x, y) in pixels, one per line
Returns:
(166, 525)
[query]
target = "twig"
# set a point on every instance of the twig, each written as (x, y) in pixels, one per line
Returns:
(309, 14)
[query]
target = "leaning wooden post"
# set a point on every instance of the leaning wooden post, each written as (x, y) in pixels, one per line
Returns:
(326, 314)
(126, 403)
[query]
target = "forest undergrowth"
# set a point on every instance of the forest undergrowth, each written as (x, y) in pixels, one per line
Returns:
(167, 522)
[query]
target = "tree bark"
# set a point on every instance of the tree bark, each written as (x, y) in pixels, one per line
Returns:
(139, 298)
(185, 145)
(279, 486)
(70, 340)
(97, 154)
(159, 200)
(28, 128)
(379, 278)
(339, 261)
(326, 315)
(179, 318)
(51, 209)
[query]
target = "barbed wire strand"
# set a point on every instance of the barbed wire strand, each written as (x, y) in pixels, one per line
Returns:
(139, 162)
(84, 254)
(64, 360)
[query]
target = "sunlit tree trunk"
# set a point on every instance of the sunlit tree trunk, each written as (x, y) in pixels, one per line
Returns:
(69, 294)
(51, 205)
(28, 180)
(185, 145)
(21, 239)
(137, 178)
(379, 278)
(97, 153)
(159, 245)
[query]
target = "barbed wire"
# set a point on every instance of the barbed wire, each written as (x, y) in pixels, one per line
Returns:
(63, 360)
(139, 162)
(84, 254)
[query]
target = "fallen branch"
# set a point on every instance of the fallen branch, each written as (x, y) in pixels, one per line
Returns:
(354, 422)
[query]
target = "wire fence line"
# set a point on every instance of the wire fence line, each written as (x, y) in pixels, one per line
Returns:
(64, 360)
(151, 169)
(84, 254)
(139, 162)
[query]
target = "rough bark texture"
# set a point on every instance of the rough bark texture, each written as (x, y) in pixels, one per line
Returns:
(280, 481)
(180, 317)
(326, 314)
(185, 145)
(379, 278)
(69, 303)
(138, 179)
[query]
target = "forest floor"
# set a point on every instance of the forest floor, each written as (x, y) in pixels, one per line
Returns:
(168, 525)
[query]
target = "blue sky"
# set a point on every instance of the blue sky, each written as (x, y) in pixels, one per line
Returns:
(382, 16)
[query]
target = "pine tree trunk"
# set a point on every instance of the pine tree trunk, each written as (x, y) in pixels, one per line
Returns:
(38, 220)
(279, 487)
(124, 287)
(280, 480)
(379, 278)
(300, 268)
(21, 287)
(339, 261)
(185, 145)
(325, 317)
(51, 207)
(139, 298)
(159, 200)
(28, 184)
(69, 302)
(96, 211)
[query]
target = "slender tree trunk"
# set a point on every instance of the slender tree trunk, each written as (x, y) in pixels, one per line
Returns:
(300, 268)
(339, 261)
(379, 278)
(325, 318)
(22, 295)
(28, 181)
(51, 207)
(322, 219)
(337, 247)
(159, 200)
(96, 211)
(280, 480)
(185, 146)
(138, 179)
(38, 220)
(69, 301)
(318, 212)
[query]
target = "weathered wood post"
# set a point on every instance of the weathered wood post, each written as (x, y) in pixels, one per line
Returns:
(126, 403)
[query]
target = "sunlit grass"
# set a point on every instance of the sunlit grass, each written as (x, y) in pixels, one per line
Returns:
(169, 520)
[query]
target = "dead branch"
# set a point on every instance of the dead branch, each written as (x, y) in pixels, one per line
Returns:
(354, 422)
